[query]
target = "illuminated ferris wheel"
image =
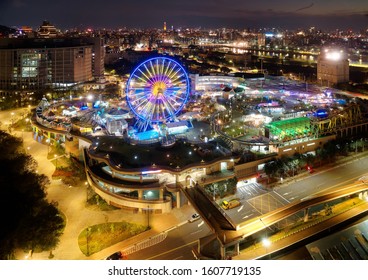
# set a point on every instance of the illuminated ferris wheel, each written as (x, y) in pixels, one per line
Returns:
(157, 90)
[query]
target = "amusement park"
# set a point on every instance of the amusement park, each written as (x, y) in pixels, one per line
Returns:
(170, 130)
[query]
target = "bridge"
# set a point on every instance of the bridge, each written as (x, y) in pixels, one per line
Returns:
(226, 234)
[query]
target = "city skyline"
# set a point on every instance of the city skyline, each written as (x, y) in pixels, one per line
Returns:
(287, 14)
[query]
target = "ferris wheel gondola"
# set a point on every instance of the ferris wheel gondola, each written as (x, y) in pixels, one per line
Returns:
(157, 90)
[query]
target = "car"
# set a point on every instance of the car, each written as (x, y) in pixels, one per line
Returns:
(194, 218)
(230, 204)
(115, 256)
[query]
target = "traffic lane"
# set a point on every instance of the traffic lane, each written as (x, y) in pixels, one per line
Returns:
(243, 213)
(317, 182)
(175, 243)
(183, 252)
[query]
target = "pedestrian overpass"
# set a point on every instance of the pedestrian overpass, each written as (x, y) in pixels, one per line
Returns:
(226, 234)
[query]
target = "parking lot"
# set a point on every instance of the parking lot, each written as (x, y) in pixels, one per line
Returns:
(255, 201)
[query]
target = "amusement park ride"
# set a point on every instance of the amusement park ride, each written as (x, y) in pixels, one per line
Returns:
(156, 93)
(157, 90)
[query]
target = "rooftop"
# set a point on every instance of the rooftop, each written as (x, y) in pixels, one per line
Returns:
(182, 154)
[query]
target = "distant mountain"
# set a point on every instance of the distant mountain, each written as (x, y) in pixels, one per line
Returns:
(4, 30)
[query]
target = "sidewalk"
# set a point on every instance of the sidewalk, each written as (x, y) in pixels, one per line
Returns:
(71, 201)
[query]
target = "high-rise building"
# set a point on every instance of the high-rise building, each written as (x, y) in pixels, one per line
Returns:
(31, 64)
(98, 54)
(332, 67)
(261, 39)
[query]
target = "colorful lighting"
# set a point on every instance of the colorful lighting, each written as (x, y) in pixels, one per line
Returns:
(157, 90)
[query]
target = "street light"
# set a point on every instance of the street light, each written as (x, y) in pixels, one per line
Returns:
(86, 184)
(12, 118)
(266, 243)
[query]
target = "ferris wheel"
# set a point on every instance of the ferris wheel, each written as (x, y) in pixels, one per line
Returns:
(157, 90)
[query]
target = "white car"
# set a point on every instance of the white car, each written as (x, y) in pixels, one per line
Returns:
(194, 217)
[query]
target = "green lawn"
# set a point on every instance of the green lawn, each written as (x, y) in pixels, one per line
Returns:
(105, 235)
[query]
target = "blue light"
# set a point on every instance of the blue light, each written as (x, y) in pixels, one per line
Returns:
(321, 113)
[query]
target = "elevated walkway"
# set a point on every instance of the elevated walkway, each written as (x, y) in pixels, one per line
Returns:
(303, 236)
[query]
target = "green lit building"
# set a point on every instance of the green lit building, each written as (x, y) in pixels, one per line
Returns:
(288, 129)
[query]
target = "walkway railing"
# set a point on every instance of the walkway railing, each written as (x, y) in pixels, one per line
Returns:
(145, 244)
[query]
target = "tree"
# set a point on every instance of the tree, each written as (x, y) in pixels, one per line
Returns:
(28, 220)
(270, 169)
(231, 184)
(225, 70)
(42, 228)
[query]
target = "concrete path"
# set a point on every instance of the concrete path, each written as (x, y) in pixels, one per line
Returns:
(72, 202)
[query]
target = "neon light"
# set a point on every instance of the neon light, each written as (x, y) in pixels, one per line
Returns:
(151, 171)
(157, 90)
(311, 144)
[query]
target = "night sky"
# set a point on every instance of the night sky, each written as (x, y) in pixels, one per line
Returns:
(290, 14)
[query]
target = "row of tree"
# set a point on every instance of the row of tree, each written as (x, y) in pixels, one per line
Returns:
(290, 166)
(222, 188)
(28, 220)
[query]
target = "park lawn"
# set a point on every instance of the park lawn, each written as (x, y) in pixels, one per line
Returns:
(102, 236)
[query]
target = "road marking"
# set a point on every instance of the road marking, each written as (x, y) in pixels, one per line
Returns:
(195, 232)
(241, 208)
(172, 250)
(281, 197)
(247, 216)
(200, 224)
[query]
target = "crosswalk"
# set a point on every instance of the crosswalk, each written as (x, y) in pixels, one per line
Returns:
(250, 190)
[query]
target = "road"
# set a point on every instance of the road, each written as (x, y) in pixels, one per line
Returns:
(177, 245)
(325, 179)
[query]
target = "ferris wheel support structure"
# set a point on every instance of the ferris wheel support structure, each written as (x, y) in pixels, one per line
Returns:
(156, 91)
